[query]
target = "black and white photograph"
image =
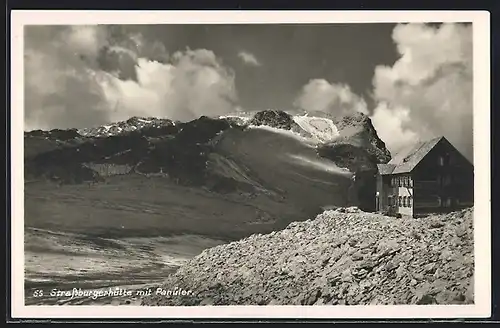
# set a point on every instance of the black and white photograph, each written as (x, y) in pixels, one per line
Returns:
(320, 165)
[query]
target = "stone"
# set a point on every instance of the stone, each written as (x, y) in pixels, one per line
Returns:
(385, 266)
(358, 256)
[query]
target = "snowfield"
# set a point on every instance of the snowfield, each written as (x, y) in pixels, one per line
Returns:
(316, 130)
(288, 133)
(321, 129)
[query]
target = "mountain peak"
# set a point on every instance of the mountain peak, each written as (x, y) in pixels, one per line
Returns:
(134, 123)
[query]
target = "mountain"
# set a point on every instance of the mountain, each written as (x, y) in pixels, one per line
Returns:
(221, 176)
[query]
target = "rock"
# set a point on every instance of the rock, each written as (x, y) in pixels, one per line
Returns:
(425, 298)
(430, 268)
(357, 256)
(207, 301)
(336, 264)
(469, 294)
(436, 224)
(276, 119)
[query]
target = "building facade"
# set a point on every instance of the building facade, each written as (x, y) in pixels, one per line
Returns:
(428, 177)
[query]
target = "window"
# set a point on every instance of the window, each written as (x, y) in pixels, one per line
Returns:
(404, 201)
(440, 161)
(439, 201)
(410, 181)
(410, 201)
(400, 201)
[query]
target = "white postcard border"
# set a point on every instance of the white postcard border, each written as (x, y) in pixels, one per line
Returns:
(482, 213)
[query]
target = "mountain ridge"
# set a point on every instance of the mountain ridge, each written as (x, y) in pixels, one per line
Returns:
(268, 166)
(355, 129)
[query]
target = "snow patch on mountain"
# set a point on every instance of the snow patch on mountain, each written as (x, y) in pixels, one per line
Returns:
(312, 130)
(319, 164)
(320, 129)
(245, 119)
(289, 133)
(132, 124)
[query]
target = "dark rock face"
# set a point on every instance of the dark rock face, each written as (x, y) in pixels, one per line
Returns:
(179, 150)
(184, 157)
(275, 118)
(357, 129)
(55, 134)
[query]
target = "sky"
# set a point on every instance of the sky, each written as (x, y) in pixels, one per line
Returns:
(413, 80)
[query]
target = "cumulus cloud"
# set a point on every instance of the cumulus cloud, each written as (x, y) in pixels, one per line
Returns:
(426, 93)
(428, 90)
(332, 98)
(194, 84)
(248, 58)
(59, 86)
(79, 76)
(388, 123)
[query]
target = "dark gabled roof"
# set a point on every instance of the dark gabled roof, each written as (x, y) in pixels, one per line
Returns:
(407, 158)
(385, 169)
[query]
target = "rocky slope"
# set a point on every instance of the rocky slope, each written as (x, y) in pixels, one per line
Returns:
(343, 256)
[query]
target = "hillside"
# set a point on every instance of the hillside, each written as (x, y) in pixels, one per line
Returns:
(343, 256)
(117, 194)
(193, 177)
